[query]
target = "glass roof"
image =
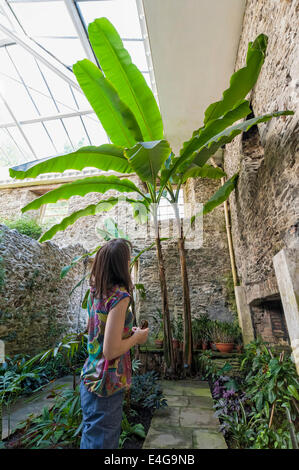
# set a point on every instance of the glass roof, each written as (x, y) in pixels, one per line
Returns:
(42, 109)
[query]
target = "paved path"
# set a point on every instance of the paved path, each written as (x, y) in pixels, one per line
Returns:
(32, 404)
(188, 422)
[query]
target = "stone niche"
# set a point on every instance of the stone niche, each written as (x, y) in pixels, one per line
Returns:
(268, 321)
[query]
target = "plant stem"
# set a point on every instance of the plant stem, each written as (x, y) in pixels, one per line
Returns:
(168, 347)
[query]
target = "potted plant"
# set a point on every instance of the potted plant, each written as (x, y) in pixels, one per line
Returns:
(159, 340)
(238, 339)
(223, 335)
(204, 323)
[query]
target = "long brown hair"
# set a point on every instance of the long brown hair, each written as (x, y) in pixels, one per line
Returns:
(111, 267)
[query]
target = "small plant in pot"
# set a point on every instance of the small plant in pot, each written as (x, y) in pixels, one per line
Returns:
(238, 339)
(159, 339)
(204, 324)
(223, 336)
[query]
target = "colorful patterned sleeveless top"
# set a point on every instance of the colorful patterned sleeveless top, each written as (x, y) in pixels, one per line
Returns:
(99, 375)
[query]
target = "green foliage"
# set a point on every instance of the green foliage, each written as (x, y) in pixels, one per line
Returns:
(222, 332)
(201, 328)
(147, 392)
(129, 82)
(25, 226)
(129, 430)
(101, 157)
(270, 405)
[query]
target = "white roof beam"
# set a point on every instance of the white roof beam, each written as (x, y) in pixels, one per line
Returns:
(43, 56)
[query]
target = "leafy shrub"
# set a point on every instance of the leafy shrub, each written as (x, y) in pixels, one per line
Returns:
(259, 411)
(25, 225)
(146, 391)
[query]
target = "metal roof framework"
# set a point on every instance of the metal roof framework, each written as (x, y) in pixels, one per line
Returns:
(43, 111)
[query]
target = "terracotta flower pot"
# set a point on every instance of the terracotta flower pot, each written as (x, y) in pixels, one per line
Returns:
(204, 345)
(224, 347)
(198, 345)
(159, 343)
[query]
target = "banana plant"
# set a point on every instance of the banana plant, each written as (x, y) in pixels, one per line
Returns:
(128, 112)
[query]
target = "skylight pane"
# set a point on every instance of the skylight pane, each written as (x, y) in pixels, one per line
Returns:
(95, 131)
(44, 18)
(39, 139)
(67, 50)
(137, 53)
(22, 144)
(76, 132)
(58, 134)
(123, 15)
(18, 100)
(9, 152)
(5, 117)
(60, 90)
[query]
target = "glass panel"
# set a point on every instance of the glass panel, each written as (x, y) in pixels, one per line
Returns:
(39, 140)
(137, 53)
(58, 134)
(9, 152)
(95, 130)
(123, 15)
(18, 99)
(44, 18)
(33, 79)
(76, 132)
(147, 79)
(60, 90)
(27, 154)
(54, 213)
(81, 100)
(67, 51)
(50, 24)
(5, 117)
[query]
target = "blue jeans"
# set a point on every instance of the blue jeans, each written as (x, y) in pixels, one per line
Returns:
(102, 418)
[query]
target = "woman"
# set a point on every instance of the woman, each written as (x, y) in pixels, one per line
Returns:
(106, 373)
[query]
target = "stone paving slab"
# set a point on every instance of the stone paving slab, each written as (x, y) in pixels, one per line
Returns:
(33, 404)
(180, 438)
(207, 439)
(188, 422)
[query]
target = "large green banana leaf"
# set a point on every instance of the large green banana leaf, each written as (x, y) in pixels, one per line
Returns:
(105, 157)
(205, 133)
(206, 171)
(129, 82)
(208, 146)
(218, 197)
(226, 136)
(116, 118)
(92, 209)
(146, 158)
(242, 81)
(95, 184)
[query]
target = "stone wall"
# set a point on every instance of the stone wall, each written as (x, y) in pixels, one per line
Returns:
(35, 305)
(207, 259)
(265, 206)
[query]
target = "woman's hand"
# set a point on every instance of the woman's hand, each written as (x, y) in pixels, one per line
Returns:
(140, 335)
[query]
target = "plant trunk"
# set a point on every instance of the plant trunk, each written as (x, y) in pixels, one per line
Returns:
(168, 346)
(188, 342)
